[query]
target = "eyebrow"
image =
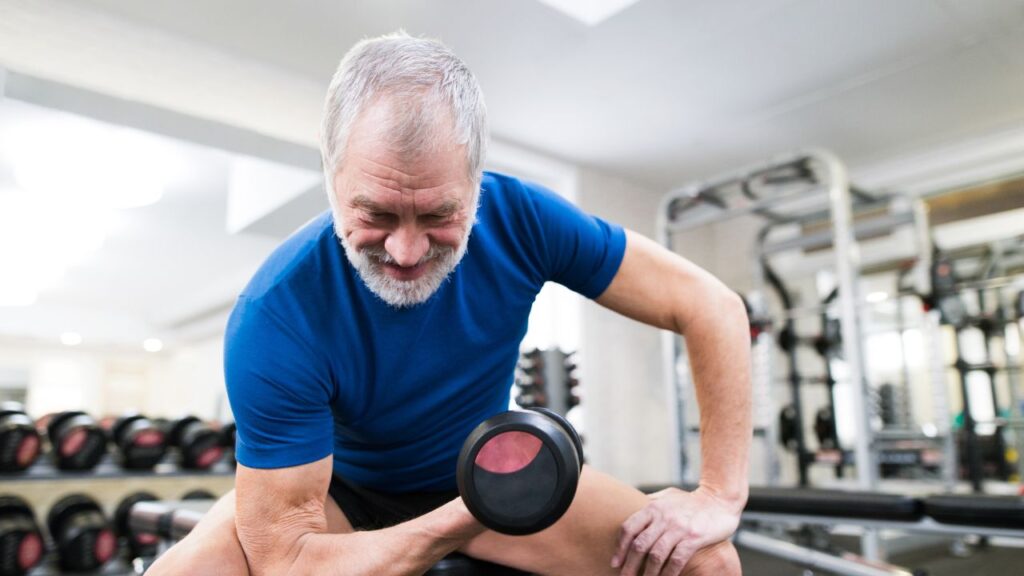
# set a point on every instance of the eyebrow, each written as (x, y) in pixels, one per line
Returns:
(447, 208)
(364, 202)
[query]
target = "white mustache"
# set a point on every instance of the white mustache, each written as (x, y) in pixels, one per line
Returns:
(381, 255)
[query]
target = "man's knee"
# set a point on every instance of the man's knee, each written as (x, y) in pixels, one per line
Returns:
(718, 560)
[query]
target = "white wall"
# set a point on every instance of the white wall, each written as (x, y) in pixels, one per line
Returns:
(627, 424)
(191, 381)
(187, 380)
(68, 378)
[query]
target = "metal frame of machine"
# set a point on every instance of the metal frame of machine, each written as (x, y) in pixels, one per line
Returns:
(825, 195)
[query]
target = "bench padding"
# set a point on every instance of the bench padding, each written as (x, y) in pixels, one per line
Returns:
(988, 511)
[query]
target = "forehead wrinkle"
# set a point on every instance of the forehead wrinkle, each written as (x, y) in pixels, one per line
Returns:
(400, 180)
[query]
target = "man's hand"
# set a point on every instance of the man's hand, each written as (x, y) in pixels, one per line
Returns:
(671, 528)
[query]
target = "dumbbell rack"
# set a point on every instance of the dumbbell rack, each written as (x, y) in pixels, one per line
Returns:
(43, 484)
(107, 469)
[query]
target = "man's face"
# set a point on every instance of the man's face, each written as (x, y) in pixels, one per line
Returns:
(404, 221)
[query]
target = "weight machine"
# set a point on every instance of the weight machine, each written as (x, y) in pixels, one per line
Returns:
(804, 201)
(973, 292)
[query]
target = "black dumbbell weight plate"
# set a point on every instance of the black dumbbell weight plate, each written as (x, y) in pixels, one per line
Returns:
(21, 544)
(567, 427)
(78, 443)
(198, 494)
(139, 544)
(199, 446)
(456, 564)
(141, 444)
(518, 471)
(19, 440)
(81, 533)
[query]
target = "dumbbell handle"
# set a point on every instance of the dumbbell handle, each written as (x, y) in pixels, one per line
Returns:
(169, 520)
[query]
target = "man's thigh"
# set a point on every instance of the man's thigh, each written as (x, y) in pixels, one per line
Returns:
(583, 541)
(213, 547)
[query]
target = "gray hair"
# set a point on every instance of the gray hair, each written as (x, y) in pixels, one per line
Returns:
(434, 88)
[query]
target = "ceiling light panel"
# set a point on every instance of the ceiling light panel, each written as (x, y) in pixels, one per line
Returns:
(590, 12)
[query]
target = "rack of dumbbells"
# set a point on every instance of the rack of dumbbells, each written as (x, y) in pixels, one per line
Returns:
(68, 480)
(547, 379)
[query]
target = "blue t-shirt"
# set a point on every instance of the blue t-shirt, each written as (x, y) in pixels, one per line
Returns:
(317, 364)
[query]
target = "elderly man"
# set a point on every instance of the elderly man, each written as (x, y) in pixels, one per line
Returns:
(375, 338)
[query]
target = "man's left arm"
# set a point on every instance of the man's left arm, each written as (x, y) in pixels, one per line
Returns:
(663, 289)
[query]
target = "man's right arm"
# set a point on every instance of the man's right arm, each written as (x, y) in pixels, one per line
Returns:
(282, 527)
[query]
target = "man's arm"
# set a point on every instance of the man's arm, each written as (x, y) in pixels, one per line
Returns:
(663, 289)
(283, 529)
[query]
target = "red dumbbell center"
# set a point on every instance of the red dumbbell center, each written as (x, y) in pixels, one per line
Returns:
(73, 442)
(106, 545)
(508, 452)
(209, 457)
(149, 438)
(30, 551)
(27, 450)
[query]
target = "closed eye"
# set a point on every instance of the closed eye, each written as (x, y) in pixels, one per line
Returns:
(434, 218)
(374, 216)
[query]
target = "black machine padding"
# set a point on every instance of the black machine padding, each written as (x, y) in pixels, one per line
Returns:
(835, 503)
(829, 503)
(976, 510)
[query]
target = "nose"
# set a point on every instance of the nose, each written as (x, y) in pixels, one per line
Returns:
(407, 246)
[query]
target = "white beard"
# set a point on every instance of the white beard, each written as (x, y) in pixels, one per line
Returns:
(369, 263)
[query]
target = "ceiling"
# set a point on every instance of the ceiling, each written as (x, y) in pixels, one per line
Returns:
(660, 93)
(668, 90)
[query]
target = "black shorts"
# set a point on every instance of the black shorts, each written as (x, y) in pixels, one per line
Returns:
(368, 509)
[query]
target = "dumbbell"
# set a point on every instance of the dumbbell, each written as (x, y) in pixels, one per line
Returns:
(77, 442)
(140, 545)
(84, 538)
(198, 494)
(825, 429)
(21, 544)
(789, 428)
(228, 438)
(518, 471)
(456, 564)
(199, 446)
(140, 443)
(19, 439)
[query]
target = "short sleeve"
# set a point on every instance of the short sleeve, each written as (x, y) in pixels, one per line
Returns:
(280, 393)
(579, 251)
